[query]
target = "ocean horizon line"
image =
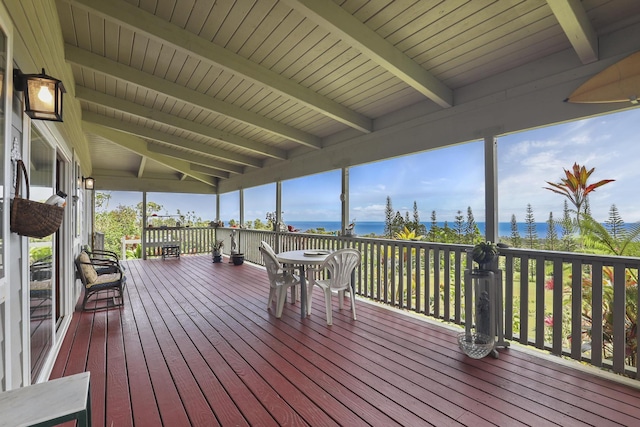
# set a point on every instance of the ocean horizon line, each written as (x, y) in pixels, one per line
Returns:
(377, 227)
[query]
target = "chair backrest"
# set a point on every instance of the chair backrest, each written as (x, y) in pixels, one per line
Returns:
(268, 247)
(340, 265)
(271, 264)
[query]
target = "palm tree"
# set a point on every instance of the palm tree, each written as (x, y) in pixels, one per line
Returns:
(596, 236)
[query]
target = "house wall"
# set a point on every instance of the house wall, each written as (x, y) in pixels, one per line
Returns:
(36, 43)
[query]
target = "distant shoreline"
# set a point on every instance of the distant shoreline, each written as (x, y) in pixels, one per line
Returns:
(377, 227)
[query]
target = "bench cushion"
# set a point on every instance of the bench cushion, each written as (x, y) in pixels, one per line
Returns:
(88, 270)
(105, 278)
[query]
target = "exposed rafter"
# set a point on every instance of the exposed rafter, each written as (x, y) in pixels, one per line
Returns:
(143, 163)
(138, 110)
(100, 64)
(138, 20)
(139, 146)
(194, 158)
(156, 135)
(333, 17)
(205, 169)
(574, 21)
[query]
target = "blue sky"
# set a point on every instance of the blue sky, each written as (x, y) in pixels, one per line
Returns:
(451, 179)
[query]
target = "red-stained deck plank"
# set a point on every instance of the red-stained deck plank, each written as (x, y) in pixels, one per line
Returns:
(195, 345)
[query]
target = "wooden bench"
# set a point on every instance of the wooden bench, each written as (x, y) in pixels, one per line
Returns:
(170, 250)
(165, 248)
(49, 403)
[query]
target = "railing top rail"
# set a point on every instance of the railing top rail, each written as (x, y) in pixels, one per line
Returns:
(517, 252)
(570, 256)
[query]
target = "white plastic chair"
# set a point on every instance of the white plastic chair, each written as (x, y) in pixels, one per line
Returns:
(339, 265)
(280, 279)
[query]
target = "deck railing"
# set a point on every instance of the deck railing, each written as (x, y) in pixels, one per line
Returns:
(577, 305)
(192, 240)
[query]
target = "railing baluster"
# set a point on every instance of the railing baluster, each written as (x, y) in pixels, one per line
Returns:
(619, 311)
(557, 316)
(524, 301)
(540, 302)
(576, 311)
(446, 269)
(596, 314)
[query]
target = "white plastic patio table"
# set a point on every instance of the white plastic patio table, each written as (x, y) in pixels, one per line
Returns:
(49, 403)
(301, 259)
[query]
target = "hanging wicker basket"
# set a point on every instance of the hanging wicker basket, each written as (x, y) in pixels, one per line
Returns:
(29, 218)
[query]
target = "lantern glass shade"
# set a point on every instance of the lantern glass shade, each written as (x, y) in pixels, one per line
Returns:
(89, 183)
(42, 96)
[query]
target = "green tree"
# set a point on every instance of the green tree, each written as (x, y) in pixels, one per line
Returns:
(397, 224)
(568, 229)
(516, 240)
(418, 226)
(458, 227)
(434, 231)
(615, 224)
(448, 235)
(388, 219)
(102, 200)
(532, 233)
(115, 224)
(596, 236)
(152, 208)
(471, 231)
(259, 225)
(552, 235)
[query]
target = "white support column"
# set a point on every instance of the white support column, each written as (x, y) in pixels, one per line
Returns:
(241, 207)
(344, 198)
(491, 188)
(278, 213)
(279, 202)
(217, 207)
(144, 225)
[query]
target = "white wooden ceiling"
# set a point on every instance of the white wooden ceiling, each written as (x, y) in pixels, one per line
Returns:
(206, 96)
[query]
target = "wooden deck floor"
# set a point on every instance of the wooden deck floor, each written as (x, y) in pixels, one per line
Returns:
(195, 345)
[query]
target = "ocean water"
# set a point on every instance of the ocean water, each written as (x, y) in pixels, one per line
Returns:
(377, 227)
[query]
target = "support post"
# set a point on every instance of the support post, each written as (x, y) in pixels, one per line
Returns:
(491, 188)
(241, 207)
(344, 198)
(144, 225)
(278, 213)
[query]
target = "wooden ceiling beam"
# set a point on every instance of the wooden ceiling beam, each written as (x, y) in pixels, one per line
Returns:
(139, 146)
(143, 163)
(576, 25)
(107, 180)
(221, 167)
(338, 21)
(206, 170)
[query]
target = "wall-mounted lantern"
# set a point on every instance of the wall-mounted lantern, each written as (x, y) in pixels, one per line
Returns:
(42, 95)
(89, 183)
